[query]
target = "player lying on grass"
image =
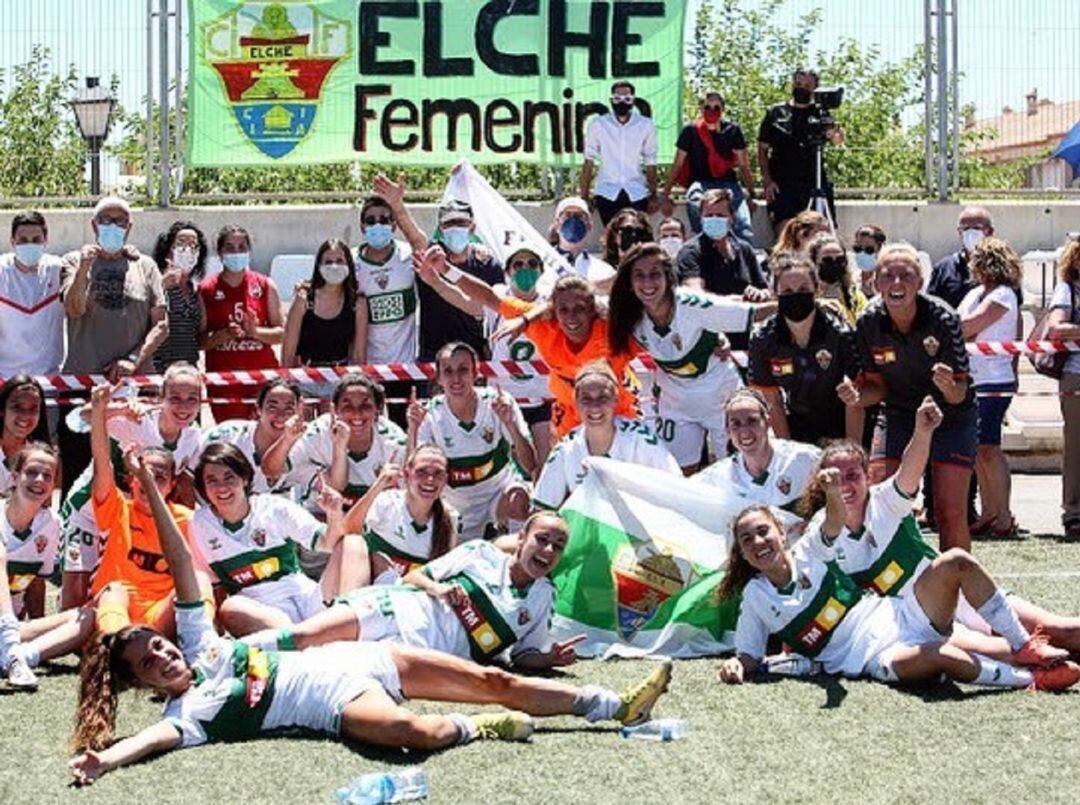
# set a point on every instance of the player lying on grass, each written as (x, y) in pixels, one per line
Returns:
(250, 542)
(476, 601)
(484, 435)
(602, 433)
(29, 539)
(879, 544)
(820, 613)
(217, 689)
(404, 527)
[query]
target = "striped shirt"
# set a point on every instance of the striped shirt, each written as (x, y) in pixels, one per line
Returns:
(182, 343)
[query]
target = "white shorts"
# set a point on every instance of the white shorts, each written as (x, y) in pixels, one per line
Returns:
(314, 686)
(685, 438)
(478, 505)
(407, 616)
(297, 596)
(912, 628)
(82, 541)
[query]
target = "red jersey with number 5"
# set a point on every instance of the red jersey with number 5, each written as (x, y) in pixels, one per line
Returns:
(226, 303)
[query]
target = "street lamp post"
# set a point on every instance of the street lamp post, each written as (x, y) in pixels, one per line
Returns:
(93, 108)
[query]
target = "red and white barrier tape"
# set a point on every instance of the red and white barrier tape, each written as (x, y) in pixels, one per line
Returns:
(509, 370)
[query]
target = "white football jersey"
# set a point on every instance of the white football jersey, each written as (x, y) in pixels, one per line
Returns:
(781, 485)
(31, 553)
(530, 385)
(240, 433)
(390, 291)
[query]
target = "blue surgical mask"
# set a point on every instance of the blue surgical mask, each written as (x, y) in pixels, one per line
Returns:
(714, 226)
(29, 253)
(865, 262)
(236, 261)
(574, 229)
(110, 237)
(456, 238)
(378, 236)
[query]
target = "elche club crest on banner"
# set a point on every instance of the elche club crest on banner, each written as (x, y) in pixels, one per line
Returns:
(273, 59)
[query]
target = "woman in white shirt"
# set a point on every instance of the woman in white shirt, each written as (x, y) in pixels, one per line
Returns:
(991, 312)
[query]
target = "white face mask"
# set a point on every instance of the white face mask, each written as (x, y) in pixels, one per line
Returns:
(185, 257)
(971, 238)
(671, 244)
(334, 273)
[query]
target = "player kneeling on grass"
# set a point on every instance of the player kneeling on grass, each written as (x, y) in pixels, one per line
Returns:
(218, 690)
(29, 539)
(250, 542)
(476, 601)
(821, 614)
(879, 545)
(483, 433)
(404, 528)
(602, 433)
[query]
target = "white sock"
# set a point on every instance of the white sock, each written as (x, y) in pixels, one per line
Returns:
(29, 653)
(1003, 620)
(596, 703)
(465, 727)
(9, 636)
(994, 674)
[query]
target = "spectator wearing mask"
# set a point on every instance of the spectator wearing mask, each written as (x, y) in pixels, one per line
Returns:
(243, 321)
(571, 228)
(622, 140)
(838, 287)
(327, 322)
(707, 155)
(989, 312)
(31, 314)
(716, 261)
(1065, 324)
(951, 278)
(672, 236)
(868, 240)
(180, 254)
(626, 229)
(440, 322)
(115, 309)
(787, 155)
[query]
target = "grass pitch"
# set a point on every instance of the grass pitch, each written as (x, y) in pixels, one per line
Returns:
(792, 740)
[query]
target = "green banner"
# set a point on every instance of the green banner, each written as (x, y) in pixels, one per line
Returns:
(297, 82)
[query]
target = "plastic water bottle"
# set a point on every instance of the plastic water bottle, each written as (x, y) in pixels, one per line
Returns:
(792, 665)
(659, 729)
(377, 788)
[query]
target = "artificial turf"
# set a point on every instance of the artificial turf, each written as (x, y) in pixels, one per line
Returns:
(821, 740)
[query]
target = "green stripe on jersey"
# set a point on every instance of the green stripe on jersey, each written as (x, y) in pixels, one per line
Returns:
(897, 565)
(696, 361)
(403, 562)
(255, 567)
(488, 633)
(810, 631)
(251, 692)
(469, 470)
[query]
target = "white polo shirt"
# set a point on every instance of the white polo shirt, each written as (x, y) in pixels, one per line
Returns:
(31, 317)
(621, 148)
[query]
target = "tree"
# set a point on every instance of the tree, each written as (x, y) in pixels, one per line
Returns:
(41, 151)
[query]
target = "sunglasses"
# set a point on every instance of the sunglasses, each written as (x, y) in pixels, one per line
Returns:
(109, 219)
(371, 220)
(864, 249)
(622, 98)
(713, 108)
(532, 263)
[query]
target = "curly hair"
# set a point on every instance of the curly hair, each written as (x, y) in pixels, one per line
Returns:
(639, 230)
(814, 496)
(104, 674)
(164, 244)
(1069, 263)
(994, 262)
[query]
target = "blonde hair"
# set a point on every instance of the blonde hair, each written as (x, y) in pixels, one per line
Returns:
(994, 262)
(796, 232)
(900, 250)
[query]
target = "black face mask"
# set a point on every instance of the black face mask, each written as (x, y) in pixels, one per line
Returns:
(796, 306)
(802, 94)
(629, 237)
(831, 269)
(621, 109)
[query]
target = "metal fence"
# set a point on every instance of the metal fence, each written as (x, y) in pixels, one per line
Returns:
(968, 101)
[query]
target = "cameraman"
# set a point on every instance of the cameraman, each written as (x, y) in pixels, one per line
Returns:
(786, 150)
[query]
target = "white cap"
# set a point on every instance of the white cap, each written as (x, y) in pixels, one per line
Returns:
(111, 202)
(572, 202)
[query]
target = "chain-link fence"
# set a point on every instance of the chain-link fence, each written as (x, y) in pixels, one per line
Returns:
(989, 91)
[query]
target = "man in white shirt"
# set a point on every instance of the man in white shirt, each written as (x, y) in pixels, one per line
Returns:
(31, 313)
(622, 140)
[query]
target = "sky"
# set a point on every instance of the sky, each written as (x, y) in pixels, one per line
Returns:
(1007, 47)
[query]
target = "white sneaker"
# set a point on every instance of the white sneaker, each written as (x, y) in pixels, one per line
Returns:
(19, 674)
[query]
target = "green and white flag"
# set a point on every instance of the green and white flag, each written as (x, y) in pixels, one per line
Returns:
(645, 557)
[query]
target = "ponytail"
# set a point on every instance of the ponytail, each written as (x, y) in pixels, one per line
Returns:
(444, 530)
(103, 675)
